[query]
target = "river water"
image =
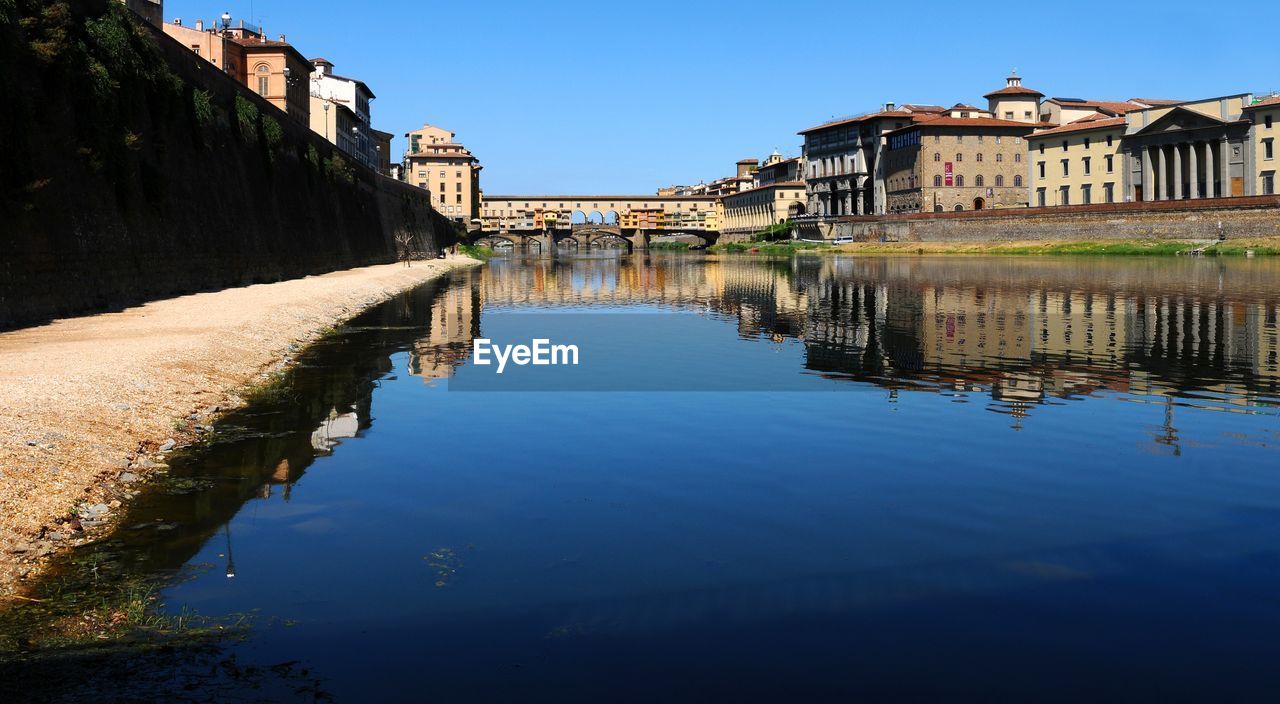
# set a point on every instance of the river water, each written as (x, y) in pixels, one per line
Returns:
(807, 479)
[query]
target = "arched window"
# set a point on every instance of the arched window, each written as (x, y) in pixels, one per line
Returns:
(1018, 157)
(978, 181)
(979, 157)
(959, 157)
(937, 181)
(959, 207)
(937, 208)
(960, 181)
(937, 156)
(1017, 181)
(264, 79)
(999, 180)
(999, 158)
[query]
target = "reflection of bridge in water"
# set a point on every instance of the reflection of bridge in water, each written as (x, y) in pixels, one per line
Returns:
(1023, 331)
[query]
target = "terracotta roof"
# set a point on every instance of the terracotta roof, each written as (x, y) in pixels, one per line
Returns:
(1118, 107)
(1092, 122)
(864, 118)
(1265, 103)
(1014, 90)
(775, 184)
(923, 108)
(1156, 101)
(962, 106)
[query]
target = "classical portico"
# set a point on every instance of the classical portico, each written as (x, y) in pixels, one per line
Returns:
(1186, 154)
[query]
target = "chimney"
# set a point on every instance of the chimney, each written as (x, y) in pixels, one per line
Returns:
(282, 39)
(177, 21)
(199, 25)
(888, 107)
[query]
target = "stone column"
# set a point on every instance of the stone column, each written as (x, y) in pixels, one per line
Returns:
(1208, 170)
(1177, 172)
(1162, 175)
(1193, 169)
(1224, 168)
(1148, 174)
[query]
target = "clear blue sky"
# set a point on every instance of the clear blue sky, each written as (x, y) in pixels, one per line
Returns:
(625, 96)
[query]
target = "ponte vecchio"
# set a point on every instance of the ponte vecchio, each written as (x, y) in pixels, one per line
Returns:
(584, 220)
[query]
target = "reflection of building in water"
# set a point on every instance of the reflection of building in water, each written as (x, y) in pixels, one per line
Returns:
(333, 430)
(454, 322)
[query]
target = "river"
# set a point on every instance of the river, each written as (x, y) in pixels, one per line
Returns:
(810, 479)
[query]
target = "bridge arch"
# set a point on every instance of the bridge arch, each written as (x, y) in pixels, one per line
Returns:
(611, 217)
(578, 218)
(595, 218)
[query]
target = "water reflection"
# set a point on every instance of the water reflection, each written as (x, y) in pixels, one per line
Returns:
(1024, 331)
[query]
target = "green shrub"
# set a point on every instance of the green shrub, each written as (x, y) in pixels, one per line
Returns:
(336, 169)
(202, 107)
(475, 251)
(313, 157)
(247, 118)
(272, 131)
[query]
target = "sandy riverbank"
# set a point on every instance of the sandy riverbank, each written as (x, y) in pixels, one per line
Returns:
(87, 403)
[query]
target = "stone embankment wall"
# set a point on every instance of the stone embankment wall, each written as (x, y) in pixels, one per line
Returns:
(133, 170)
(1233, 218)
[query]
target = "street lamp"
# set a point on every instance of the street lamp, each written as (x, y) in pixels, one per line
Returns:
(326, 121)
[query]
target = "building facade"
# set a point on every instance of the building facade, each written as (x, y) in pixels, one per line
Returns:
(1078, 163)
(434, 160)
(961, 160)
(1264, 114)
(355, 96)
(271, 68)
(337, 123)
(776, 195)
(1194, 149)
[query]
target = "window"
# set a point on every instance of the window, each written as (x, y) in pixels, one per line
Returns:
(999, 180)
(264, 84)
(937, 156)
(1109, 192)
(997, 139)
(1042, 147)
(999, 157)
(1065, 144)
(1017, 157)
(442, 174)
(1017, 182)
(1268, 183)
(978, 181)
(1088, 166)
(960, 181)
(1026, 115)
(1268, 149)
(959, 157)
(937, 138)
(1086, 194)
(1110, 140)
(1008, 115)
(937, 181)
(1066, 167)
(1267, 121)
(1111, 167)
(959, 139)
(459, 200)
(1087, 142)
(1040, 197)
(1040, 167)
(979, 157)
(979, 136)
(1064, 195)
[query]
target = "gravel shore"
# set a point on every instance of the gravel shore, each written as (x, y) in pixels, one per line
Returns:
(87, 403)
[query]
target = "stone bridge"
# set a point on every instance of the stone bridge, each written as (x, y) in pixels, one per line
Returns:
(589, 220)
(580, 236)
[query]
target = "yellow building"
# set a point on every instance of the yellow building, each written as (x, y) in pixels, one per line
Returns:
(1265, 113)
(1078, 163)
(439, 164)
(777, 194)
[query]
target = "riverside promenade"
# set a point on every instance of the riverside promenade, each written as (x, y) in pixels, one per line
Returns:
(90, 402)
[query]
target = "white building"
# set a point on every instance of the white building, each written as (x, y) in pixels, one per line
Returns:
(355, 96)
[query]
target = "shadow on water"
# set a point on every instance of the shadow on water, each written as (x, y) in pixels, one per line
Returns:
(848, 618)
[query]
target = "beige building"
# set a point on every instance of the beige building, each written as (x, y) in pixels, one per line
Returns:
(1264, 115)
(776, 195)
(438, 163)
(1193, 149)
(271, 68)
(1015, 102)
(949, 162)
(337, 123)
(1078, 163)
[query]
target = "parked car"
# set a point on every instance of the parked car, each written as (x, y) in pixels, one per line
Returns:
(844, 239)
